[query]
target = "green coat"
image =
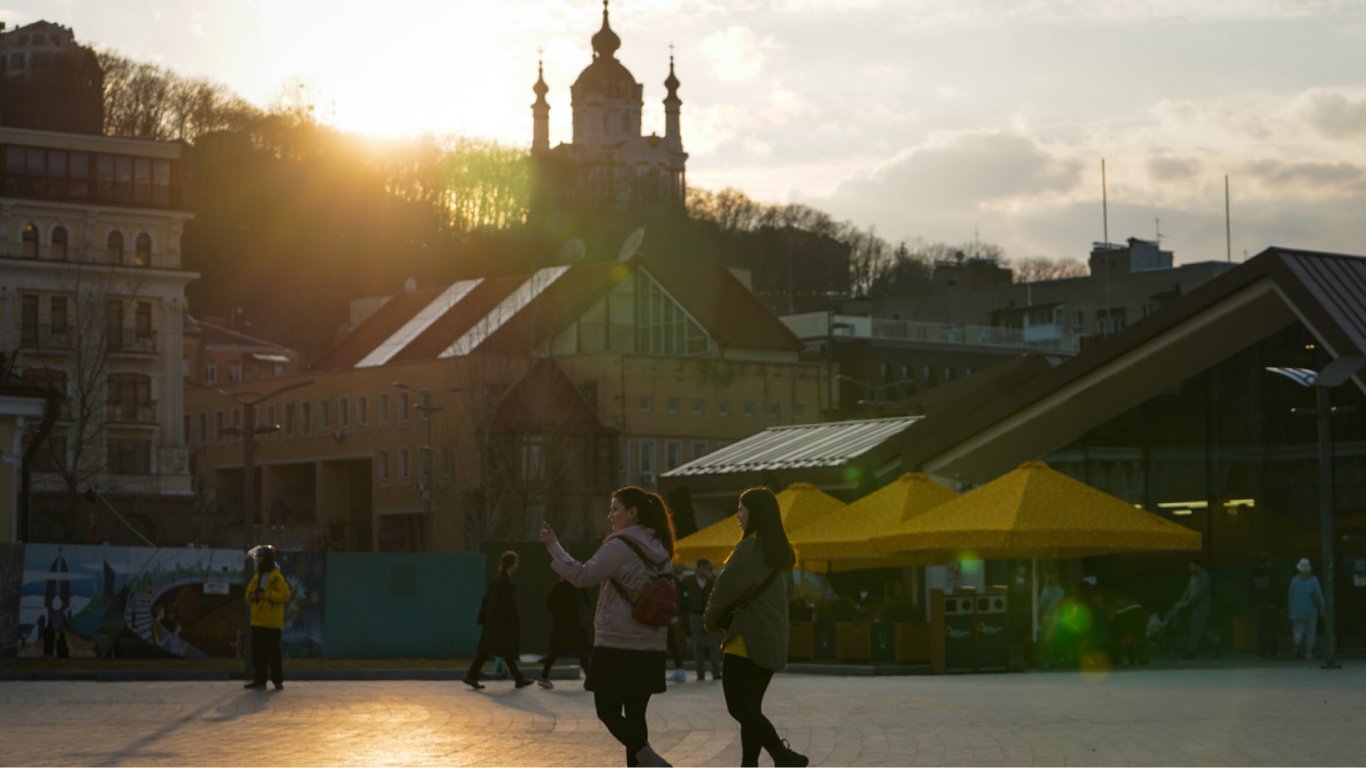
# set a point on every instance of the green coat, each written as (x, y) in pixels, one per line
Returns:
(764, 623)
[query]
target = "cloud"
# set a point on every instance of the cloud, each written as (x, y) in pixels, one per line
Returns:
(1163, 169)
(1310, 177)
(1337, 115)
(736, 53)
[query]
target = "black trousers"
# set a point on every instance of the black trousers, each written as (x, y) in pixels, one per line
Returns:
(745, 683)
(584, 655)
(624, 717)
(478, 664)
(265, 655)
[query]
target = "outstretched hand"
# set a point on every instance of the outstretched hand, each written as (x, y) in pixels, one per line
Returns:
(547, 535)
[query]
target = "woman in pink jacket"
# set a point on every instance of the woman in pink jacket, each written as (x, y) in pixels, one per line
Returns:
(628, 656)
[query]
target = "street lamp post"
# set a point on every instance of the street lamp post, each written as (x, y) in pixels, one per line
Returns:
(1332, 375)
(426, 408)
(831, 325)
(249, 431)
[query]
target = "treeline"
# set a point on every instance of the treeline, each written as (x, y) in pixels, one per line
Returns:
(294, 219)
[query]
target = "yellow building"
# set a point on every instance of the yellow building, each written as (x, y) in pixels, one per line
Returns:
(468, 413)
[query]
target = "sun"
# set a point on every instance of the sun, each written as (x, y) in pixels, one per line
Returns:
(422, 66)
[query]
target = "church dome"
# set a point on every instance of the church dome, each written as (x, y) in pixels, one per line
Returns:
(607, 77)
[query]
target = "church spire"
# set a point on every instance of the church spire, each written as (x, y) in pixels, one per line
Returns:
(673, 135)
(540, 112)
(605, 42)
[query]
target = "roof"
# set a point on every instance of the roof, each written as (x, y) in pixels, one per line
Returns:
(830, 444)
(545, 396)
(518, 313)
(985, 435)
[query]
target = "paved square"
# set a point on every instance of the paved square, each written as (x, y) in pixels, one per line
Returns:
(1278, 714)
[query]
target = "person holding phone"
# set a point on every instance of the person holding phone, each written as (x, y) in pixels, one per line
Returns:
(628, 656)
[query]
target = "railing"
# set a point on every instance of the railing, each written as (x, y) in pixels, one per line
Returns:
(817, 325)
(132, 341)
(47, 338)
(138, 413)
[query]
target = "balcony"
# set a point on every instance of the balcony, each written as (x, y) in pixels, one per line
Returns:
(132, 413)
(128, 341)
(47, 338)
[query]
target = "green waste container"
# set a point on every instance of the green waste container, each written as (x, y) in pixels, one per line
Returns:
(993, 622)
(959, 632)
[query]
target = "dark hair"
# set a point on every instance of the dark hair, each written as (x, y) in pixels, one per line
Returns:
(651, 512)
(766, 522)
(509, 560)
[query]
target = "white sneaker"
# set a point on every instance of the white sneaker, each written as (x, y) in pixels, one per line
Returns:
(545, 683)
(677, 676)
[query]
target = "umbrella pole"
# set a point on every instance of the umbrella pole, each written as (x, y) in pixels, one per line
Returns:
(1034, 597)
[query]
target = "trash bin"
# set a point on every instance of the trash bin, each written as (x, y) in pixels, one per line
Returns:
(993, 635)
(959, 632)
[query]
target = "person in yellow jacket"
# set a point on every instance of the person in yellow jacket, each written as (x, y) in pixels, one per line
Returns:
(267, 594)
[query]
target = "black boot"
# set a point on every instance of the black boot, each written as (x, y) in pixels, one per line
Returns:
(784, 755)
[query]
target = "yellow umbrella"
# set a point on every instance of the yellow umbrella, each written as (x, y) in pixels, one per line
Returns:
(800, 504)
(1032, 512)
(842, 540)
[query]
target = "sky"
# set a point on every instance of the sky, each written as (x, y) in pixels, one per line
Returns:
(945, 120)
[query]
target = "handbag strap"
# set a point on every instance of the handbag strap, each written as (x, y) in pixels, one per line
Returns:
(639, 553)
(753, 592)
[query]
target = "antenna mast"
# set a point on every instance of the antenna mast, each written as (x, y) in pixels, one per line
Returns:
(1104, 205)
(1228, 228)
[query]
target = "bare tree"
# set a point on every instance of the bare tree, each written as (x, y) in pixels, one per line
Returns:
(1035, 268)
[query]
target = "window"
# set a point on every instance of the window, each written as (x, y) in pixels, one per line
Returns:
(673, 455)
(343, 414)
(28, 321)
(234, 371)
(664, 328)
(404, 407)
(142, 250)
(363, 411)
(673, 406)
(383, 409)
(798, 412)
(29, 242)
(210, 373)
(404, 471)
(57, 318)
(647, 462)
(324, 417)
(289, 420)
(699, 406)
(533, 459)
(306, 418)
(129, 456)
(59, 239)
(723, 408)
(142, 320)
(218, 426)
(647, 404)
(113, 248)
(699, 449)
(270, 420)
(382, 466)
(129, 397)
(775, 411)
(749, 410)
(203, 427)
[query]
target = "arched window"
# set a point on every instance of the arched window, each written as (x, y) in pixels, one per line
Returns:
(29, 246)
(114, 248)
(144, 250)
(59, 244)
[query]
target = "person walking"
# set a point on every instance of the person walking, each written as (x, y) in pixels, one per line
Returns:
(267, 594)
(567, 605)
(1197, 599)
(1261, 598)
(748, 604)
(502, 635)
(628, 656)
(706, 646)
(1305, 600)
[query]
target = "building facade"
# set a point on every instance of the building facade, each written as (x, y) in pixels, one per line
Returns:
(469, 413)
(92, 302)
(49, 81)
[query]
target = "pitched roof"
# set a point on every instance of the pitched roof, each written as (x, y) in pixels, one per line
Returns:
(804, 446)
(546, 397)
(729, 311)
(518, 313)
(989, 435)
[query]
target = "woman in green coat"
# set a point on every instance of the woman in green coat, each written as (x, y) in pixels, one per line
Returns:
(748, 604)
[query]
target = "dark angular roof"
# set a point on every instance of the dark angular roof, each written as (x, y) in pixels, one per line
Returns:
(991, 434)
(730, 313)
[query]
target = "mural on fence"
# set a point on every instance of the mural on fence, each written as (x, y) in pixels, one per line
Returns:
(138, 602)
(306, 573)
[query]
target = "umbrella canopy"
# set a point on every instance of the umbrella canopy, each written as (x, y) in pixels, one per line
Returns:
(800, 504)
(843, 540)
(1035, 511)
